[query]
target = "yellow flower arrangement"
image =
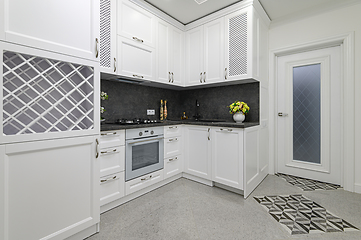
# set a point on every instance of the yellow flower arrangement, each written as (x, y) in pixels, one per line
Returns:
(238, 106)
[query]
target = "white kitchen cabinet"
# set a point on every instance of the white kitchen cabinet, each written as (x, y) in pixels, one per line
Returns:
(136, 24)
(112, 138)
(67, 27)
(169, 54)
(47, 95)
(112, 160)
(205, 53)
(135, 60)
(197, 159)
(48, 189)
(246, 45)
(227, 156)
(173, 166)
(139, 183)
(108, 36)
(172, 146)
(112, 187)
(172, 131)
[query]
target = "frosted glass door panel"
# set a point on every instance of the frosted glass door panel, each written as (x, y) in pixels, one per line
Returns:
(307, 113)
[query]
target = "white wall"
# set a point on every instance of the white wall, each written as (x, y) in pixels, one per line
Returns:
(321, 26)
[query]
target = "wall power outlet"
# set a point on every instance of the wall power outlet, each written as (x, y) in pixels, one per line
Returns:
(150, 112)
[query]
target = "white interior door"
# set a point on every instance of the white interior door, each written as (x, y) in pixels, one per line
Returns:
(309, 127)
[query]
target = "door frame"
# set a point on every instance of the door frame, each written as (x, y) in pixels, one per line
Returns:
(346, 42)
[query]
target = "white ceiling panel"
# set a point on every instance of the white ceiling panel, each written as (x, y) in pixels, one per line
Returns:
(187, 11)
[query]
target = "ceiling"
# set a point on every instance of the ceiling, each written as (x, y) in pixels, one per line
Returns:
(187, 11)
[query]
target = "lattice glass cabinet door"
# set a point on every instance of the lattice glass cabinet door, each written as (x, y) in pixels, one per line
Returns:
(44, 96)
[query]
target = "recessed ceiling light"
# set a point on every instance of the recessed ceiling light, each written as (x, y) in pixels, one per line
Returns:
(200, 1)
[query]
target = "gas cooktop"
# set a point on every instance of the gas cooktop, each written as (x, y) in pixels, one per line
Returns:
(136, 121)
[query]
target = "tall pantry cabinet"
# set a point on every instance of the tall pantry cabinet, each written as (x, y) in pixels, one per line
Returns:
(50, 119)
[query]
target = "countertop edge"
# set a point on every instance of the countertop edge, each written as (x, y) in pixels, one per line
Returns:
(113, 126)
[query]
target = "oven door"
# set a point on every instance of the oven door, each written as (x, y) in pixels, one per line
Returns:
(143, 156)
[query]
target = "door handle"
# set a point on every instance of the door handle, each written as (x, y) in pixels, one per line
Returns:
(200, 78)
(282, 114)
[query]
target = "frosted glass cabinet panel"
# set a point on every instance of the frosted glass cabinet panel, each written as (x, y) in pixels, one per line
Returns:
(307, 113)
(42, 95)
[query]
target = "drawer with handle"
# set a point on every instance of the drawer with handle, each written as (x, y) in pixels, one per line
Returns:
(172, 146)
(112, 138)
(172, 131)
(111, 188)
(139, 183)
(173, 166)
(111, 160)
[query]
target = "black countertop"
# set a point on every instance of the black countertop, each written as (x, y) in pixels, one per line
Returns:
(213, 123)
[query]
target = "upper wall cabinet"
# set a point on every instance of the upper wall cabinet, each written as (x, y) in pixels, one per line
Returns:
(67, 27)
(205, 53)
(108, 36)
(136, 24)
(246, 45)
(170, 41)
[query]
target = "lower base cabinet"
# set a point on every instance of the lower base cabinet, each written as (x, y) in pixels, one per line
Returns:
(111, 188)
(48, 189)
(139, 183)
(173, 166)
(227, 157)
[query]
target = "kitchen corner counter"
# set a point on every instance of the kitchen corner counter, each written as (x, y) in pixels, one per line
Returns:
(114, 126)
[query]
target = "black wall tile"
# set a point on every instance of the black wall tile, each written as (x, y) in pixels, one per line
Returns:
(132, 101)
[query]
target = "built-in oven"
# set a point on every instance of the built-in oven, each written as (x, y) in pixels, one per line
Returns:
(144, 151)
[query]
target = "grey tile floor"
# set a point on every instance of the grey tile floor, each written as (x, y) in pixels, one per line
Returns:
(185, 209)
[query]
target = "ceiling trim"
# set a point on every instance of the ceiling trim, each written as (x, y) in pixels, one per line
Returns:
(311, 12)
(162, 15)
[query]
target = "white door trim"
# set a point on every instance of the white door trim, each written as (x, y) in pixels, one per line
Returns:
(346, 41)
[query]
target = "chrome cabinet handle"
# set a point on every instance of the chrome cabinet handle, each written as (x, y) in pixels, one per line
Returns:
(209, 134)
(282, 114)
(137, 76)
(146, 178)
(229, 130)
(204, 77)
(200, 79)
(107, 134)
(173, 127)
(137, 39)
(96, 47)
(106, 152)
(109, 179)
(146, 140)
(225, 75)
(172, 159)
(173, 139)
(172, 77)
(169, 77)
(97, 148)
(115, 64)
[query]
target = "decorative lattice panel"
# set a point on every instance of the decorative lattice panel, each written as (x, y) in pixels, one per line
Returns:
(44, 95)
(105, 30)
(238, 45)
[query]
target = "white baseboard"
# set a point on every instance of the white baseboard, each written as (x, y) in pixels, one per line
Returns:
(357, 187)
(198, 179)
(85, 233)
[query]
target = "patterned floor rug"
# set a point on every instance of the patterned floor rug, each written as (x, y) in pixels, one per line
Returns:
(307, 184)
(300, 215)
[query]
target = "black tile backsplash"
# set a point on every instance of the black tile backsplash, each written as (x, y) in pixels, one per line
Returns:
(130, 101)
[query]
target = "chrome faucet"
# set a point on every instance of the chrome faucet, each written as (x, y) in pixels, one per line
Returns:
(197, 116)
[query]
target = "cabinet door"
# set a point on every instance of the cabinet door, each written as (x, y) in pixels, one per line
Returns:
(67, 27)
(194, 51)
(177, 56)
(108, 36)
(47, 95)
(135, 23)
(198, 152)
(238, 40)
(227, 157)
(135, 61)
(214, 67)
(53, 184)
(163, 53)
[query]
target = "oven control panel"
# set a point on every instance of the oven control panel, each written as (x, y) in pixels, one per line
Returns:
(143, 132)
